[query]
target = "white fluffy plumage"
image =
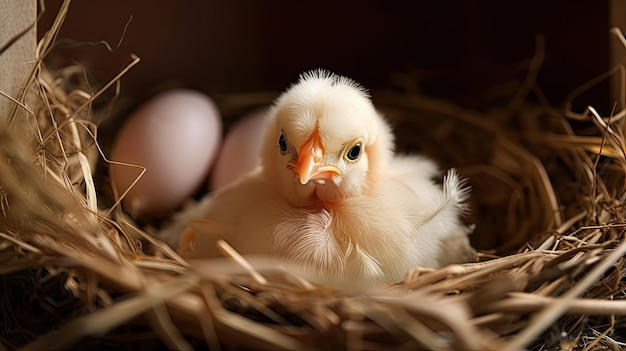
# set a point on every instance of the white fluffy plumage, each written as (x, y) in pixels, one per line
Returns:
(331, 195)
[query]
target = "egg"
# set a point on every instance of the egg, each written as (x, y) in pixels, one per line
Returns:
(241, 150)
(175, 136)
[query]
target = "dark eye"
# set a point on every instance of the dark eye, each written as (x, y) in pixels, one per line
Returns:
(354, 151)
(282, 143)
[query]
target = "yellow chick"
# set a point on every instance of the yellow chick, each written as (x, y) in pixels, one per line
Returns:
(331, 196)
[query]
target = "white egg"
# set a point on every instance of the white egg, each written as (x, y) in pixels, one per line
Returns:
(175, 137)
(241, 151)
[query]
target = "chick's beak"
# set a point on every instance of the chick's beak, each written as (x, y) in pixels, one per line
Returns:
(310, 164)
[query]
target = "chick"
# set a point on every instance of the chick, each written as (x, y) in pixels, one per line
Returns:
(331, 196)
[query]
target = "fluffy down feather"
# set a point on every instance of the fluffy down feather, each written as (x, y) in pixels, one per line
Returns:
(331, 196)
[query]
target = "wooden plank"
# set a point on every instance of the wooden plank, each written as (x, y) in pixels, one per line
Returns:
(17, 60)
(617, 51)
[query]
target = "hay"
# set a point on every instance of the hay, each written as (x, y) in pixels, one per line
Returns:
(548, 202)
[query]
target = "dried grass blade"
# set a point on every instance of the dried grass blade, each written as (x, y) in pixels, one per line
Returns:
(454, 314)
(90, 187)
(547, 194)
(551, 313)
(167, 330)
(126, 226)
(18, 265)
(50, 36)
(240, 260)
(614, 139)
(206, 321)
(20, 243)
(620, 36)
(134, 60)
(122, 274)
(248, 327)
(519, 302)
(395, 319)
(100, 322)
(591, 144)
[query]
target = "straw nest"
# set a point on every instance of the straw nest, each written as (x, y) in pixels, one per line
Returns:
(548, 202)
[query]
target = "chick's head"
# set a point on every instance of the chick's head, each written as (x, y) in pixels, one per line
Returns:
(325, 141)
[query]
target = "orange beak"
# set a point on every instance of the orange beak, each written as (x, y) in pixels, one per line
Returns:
(310, 164)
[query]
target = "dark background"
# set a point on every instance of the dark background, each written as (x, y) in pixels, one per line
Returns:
(473, 53)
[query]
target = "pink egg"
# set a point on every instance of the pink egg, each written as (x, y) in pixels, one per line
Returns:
(241, 151)
(175, 136)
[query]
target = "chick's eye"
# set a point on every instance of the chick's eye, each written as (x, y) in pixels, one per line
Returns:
(354, 150)
(282, 143)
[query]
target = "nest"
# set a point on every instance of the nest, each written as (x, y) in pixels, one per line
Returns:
(548, 203)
